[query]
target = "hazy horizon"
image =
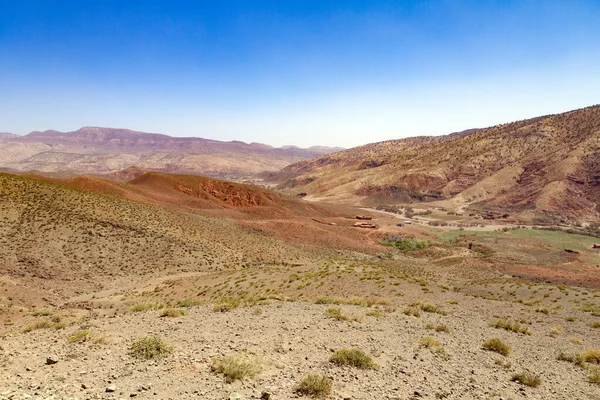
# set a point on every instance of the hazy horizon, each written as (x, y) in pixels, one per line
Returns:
(305, 73)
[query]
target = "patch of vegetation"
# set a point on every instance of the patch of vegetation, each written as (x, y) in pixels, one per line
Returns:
(147, 348)
(315, 385)
(354, 358)
(146, 306)
(498, 346)
(412, 311)
(225, 304)
(503, 363)
(235, 368)
(374, 313)
(555, 331)
(337, 314)
(355, 301)
(41, 313)
(43, 324)
(429, 308)
(188, 303)
(428, 342)
(511, 326)
(527, 378)
(408, 244)
(84, 335)
(594, 376)
(591, 356)
(172, 312)
(438, 328)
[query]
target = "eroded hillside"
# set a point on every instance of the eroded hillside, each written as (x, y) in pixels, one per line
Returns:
(546, 164)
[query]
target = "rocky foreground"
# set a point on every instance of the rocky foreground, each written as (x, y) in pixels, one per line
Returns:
(430, 356)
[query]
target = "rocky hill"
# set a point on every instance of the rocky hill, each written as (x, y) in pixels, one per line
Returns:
(106, 150)
(547, 164)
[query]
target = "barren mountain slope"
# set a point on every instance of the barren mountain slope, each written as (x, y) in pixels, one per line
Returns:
(105, 150)
(549, 163)
(61, 241)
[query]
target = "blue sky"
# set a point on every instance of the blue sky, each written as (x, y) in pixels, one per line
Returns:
(294, 71)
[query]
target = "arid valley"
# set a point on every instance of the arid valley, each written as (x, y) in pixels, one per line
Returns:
(299, 199)
(234, 290)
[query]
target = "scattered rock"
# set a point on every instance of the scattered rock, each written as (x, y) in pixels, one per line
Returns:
(51, 359)
(111, 389)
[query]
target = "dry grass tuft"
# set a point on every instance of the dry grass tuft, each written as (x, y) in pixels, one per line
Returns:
(315, 385)
(150, 348)
(527, 378)
(146, 306)
(225, 304)
(498, 346)
(511, 326)
(235, 368)
(354, 358)
(84, 335)
(172, 312)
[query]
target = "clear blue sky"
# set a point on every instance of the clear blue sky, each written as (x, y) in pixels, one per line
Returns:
(294, 71)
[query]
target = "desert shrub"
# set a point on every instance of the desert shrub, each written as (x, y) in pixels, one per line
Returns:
(145, 306)
(572, 358)
(497, 346)
(187, 303)
(355, 301)
(511, 326)
(150, 348)
(314, 385)
(172, 312)
(432, 344)
(412, 311)
(503, 363)
(225, 304)
(591, 356)
(41, 313)
(555, 331)
(42, 324)
(79, 336)
(354, 358)
(594, 376)
(527, 378)
(428, 307)
(374, 313)
(84, 335)
(235, 368)
(438, 328)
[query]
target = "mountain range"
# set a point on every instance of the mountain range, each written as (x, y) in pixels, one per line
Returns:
(93, 150)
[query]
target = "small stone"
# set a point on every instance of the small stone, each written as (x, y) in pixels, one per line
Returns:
(235, 396)
(265, 395)
(52, 359)
(111, 388)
